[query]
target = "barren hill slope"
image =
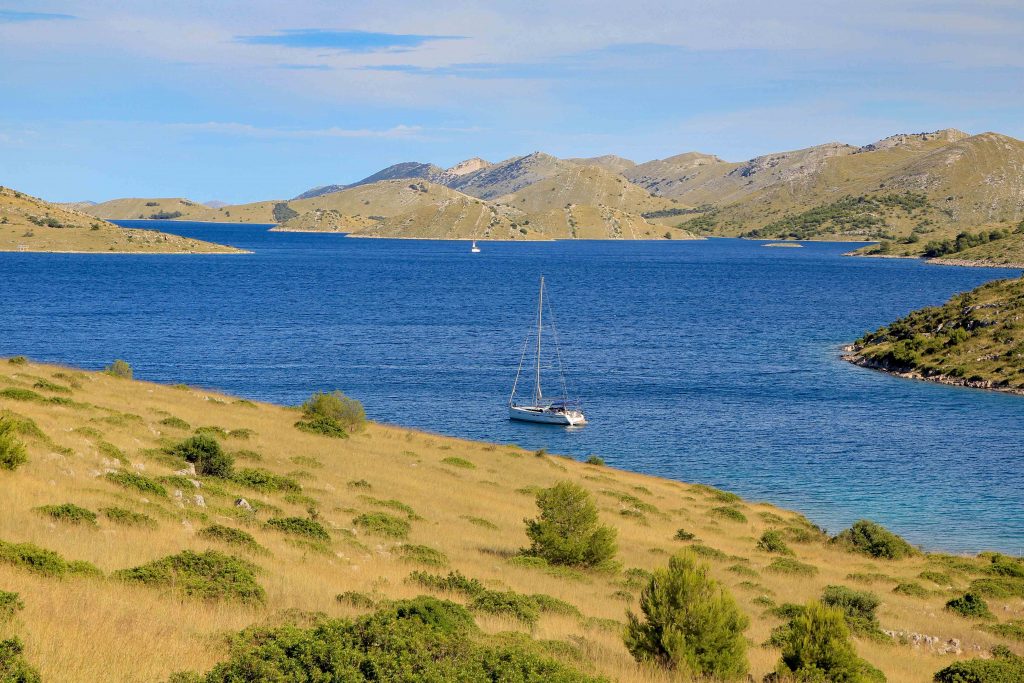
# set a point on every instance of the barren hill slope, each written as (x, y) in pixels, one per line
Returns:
(510, 175)
(153, 208)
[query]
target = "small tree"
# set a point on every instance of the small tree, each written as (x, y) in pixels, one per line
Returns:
(119, 368)
(335, 406)
(691, 624)
(207, 455)
(567, 530)
(12, 450)
(817, 647)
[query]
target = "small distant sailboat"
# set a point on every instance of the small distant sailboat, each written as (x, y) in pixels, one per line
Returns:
(539, 408)
(474, 249)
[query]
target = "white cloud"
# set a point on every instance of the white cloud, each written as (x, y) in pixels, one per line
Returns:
(251, 131)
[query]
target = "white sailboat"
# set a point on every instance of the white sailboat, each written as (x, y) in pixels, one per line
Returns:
(474, 249)
(539, 408)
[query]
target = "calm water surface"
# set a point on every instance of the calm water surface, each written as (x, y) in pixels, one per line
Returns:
(713, 361)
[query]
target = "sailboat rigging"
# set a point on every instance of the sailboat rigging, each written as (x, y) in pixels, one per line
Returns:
(539, 408)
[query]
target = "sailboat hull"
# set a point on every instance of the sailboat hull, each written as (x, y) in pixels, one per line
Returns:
(545, 415)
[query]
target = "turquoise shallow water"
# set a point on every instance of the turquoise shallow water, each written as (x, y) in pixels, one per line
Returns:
(713, 361)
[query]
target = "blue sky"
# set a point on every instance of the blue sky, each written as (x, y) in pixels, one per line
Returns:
(243, 101)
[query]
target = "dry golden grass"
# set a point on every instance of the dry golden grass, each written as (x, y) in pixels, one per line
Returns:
(79, 630)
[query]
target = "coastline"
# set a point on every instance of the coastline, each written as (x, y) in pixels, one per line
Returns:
(850, 355)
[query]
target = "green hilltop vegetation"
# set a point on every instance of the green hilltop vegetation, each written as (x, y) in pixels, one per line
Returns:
(975, 339)
(919, 194)
(174, 534)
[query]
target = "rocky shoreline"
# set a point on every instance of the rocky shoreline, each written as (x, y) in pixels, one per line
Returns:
(851, 355)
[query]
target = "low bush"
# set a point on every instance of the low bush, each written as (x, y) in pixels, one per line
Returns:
(971, 606)
(423, 639)
(911, 588)
(422, 554)
(263, 480)
(690, 624)
(743, 570)
(9, 604)
(1006, 566)
(241, 433)
(68, 513)
(787, 565)
(1013, 629)
(595, 460)
(128, 518)
(17, 360)
(717, 494)
(306, 461)
(480, 522)
(383, 524)
(211, 430)
(938, 578)
(1006, 587)
(206, 454)
(356, 599)
(567, 531)
(346, 412)
(47, 385)
(730, 513)
(392, 504)
(31, 557)
(359, 484)
(458, 462)
(299, 526)
(858, 608)
(113, 452)
(772, 542)
(132, 480)
(119, 368)
(13, 667)
(872, 539)
(176, 423)
(1004, 667)
(12, 451)
(507, 604)
(210, 575)
(708, 552)
(684, 535)
(232, 536)
(453, 582)
(323, 426)
(816, 647)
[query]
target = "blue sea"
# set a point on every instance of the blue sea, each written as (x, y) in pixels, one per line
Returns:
(711, 361)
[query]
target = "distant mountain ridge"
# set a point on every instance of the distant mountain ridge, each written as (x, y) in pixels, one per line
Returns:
(928, 186)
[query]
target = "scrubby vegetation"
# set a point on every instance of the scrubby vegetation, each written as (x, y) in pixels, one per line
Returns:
(119, 368)
(12, 451)
(788, 565)
(9, 604)
(265, 480)
(772, 541)
(863, 216)
(422, 554)
(232, 536)
(125, 517)
(971, 606)
(873, 539)
(382, 524)
(1004, 667)
(422, 639)
(141, 483)
(976, 338)
(68, 513)
(816, 647)
(13, 667)
(206, 454)
(299, 526)
(332, 414)
(690, 623)
(567, 531)
(210, 575)
(31, 557)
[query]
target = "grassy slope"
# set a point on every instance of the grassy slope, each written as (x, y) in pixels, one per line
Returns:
(79, 630)
(976, 339)
(1001, 253)
(81, 232)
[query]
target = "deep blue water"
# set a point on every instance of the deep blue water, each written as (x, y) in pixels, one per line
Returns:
(713, 361)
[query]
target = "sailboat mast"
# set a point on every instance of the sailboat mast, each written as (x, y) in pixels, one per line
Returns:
(540, 320)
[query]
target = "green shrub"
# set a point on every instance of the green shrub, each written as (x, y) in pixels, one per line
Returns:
(131, 480)
(422, 554)
(816, 647)
(356, 599)
(68, 513)
(241, 433)
(730, 513)
(42, 561)
(875, 540)
(47, 385)
(13, 667)
(176, 423)
(717, 494)
(911, 588)
(971, 606)
(1013, 629)
(323, 426)
(19, 394)
(9, 604)
(459, 462)
(1004, 667)
(359, 484)
(206, 453)
(335, 406)
(382, 524)
(17, 360)
(119, 368)
(683, 535)
(263, 480)
(787, 565)
(691, 624)
(232, 536)
(392, 504)
(209, 575)
(12, 451)
(507, 604)
(113, 452)
(453, 582)
(743, 570)
(858, 608)
(299, 526)
(212, 431)
(480, 522)
(567, 531)
(938, 578)
(998, 587)
(423, 639)
(128, 518)
(306, 461)
(772, 542)
(1006, 566)
(708, 552)
(595, 460)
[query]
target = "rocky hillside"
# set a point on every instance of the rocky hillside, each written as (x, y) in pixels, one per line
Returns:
(30, 224)
(136, 208)
(975, 339)
(146, 526)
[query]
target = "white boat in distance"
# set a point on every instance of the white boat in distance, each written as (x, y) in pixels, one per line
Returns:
(474, 249)
(562, 411)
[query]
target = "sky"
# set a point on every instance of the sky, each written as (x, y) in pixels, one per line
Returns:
(245, 101)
